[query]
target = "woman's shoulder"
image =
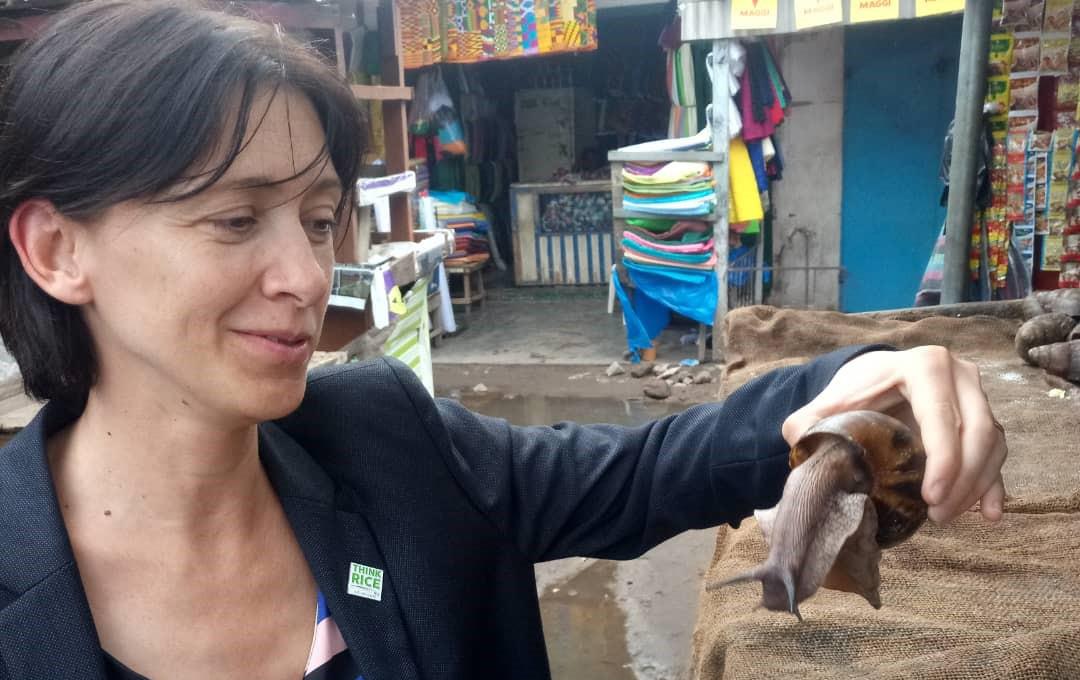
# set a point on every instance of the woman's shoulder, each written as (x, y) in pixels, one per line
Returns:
(380, 395)
(382, 377)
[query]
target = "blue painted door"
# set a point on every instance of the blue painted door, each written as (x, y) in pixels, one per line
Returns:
(900, 94)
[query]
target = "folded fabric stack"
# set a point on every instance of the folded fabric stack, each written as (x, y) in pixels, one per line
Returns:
(665, 243)
(677, 188)
(456, 210)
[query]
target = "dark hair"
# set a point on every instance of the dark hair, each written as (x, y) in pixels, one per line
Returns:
(117, 100)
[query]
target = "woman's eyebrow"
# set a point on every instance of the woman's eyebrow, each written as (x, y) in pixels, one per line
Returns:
(325, 184)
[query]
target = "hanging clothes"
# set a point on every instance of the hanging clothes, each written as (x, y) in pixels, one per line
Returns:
(745, 197)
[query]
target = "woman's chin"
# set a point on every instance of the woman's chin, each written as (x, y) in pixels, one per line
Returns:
(276, 401)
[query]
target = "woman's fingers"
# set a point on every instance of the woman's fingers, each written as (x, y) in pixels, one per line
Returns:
(929, 384)
(943, 398)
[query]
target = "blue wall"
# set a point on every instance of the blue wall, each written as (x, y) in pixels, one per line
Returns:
(900, 93)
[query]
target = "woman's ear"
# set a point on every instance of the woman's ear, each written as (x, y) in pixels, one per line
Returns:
(47, 244)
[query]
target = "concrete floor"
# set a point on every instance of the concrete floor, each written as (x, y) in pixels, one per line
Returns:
(566, 325)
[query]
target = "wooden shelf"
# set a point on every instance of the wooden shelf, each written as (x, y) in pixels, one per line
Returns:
(665, 156)
(386, 93)
(622, 214)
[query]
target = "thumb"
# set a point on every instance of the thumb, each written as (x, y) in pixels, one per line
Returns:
(796, 425)
(848, 392)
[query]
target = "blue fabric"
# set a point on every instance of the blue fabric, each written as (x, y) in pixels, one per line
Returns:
(642, 325)
(686, 292)
(757, 160)
(696, 211)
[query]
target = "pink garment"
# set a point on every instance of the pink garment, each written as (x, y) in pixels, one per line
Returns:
(703, 247)
(752, 129)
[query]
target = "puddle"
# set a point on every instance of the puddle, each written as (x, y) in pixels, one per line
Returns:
(585, 629)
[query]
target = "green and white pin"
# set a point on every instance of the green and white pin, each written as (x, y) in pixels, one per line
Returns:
(365, 581)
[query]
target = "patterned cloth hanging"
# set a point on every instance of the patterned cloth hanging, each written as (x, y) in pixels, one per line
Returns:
(469, 31)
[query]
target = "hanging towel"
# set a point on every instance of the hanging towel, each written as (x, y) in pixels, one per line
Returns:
(745, 199)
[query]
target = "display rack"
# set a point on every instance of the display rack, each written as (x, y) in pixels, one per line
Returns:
(719, 69)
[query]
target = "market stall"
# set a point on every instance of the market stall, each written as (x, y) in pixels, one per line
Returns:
(726, 22)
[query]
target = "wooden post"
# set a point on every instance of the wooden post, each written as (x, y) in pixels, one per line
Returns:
(394, 119)
(720, 68)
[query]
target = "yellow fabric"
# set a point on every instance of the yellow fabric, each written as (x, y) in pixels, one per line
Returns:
(745, 199)
(674, 173)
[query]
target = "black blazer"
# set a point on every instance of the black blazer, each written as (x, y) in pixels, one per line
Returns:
(454, 507)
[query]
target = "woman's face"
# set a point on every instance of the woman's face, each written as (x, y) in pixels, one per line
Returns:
(215, 303)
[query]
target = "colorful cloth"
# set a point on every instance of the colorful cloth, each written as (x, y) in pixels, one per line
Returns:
(667, 263)
(705, 246)
(421, 34)
(482, 30)
(682, 236)
(693, 257)
(667, 173)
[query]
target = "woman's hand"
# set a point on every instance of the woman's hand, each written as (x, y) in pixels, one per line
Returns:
(942, 398)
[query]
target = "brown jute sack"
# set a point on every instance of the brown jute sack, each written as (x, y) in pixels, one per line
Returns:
(969, 600)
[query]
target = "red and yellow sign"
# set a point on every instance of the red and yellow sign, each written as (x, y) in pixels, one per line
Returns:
(928, 8)
(874, 10)
(753, 15)
(814, 13)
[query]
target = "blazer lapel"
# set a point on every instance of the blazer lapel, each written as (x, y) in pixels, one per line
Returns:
(46, 629)
(334, 540)
(48, 632)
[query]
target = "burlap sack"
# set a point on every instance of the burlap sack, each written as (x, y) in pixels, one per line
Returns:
(964, 601)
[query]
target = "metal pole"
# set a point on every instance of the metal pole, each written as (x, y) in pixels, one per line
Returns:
(721, 140)
(967, 131)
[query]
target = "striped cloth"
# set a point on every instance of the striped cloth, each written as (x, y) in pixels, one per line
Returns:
(329, 658)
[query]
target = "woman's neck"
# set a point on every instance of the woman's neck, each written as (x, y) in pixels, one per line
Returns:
(137, 467)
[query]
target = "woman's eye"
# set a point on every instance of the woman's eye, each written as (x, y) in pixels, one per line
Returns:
(235, 225)
(323, 227)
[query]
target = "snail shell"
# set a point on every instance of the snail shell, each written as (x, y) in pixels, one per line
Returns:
(896, 460)
(854, 489)
(1061, 300)
(1061, 359)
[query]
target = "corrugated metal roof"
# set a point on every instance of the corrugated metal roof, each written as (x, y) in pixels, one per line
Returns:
(711, 19)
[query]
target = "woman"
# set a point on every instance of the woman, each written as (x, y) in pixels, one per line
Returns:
(171, 179)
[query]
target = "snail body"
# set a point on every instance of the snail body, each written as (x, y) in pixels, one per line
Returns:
(854, 489)
(1044, 329)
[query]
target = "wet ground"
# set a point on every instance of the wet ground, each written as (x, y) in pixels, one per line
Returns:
(608, 620)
